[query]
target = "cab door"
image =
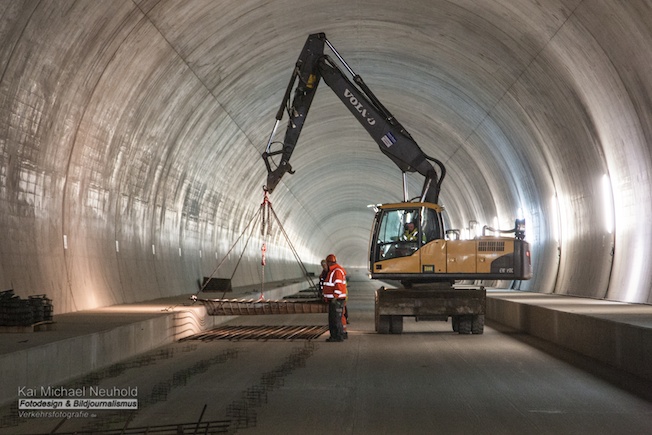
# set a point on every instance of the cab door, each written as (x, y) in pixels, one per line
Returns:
(433, 246)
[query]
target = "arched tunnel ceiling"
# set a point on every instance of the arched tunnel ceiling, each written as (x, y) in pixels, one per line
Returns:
(131, 133)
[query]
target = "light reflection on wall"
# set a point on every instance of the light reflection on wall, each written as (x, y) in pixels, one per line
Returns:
(608, 203)
(638, 265)
(555, 219)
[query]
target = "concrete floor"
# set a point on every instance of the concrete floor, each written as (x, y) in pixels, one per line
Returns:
(427, 380)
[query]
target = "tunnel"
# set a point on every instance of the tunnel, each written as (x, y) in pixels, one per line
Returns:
(131, 135)
(132, 132)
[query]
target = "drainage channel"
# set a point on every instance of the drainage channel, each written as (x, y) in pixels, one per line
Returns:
(261, 332)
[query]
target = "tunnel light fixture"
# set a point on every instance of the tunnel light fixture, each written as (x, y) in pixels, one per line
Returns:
(608, 203)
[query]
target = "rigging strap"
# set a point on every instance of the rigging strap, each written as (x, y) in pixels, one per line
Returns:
(265, 215)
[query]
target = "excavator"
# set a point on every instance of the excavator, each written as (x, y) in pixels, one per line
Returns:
(409, 242)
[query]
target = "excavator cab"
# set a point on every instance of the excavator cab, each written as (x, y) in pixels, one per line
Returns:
(409, 243)
(402, 231)
(399, 233)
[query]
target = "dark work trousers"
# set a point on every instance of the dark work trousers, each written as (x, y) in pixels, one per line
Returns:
(335, 309)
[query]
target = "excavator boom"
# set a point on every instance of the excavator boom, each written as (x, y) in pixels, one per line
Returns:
(392, 138)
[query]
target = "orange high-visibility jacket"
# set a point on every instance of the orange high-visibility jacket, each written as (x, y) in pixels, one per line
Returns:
(335, 283)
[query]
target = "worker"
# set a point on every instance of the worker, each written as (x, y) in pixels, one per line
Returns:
(335, 293)
(410, 233)
(345, 311)
(322, 278)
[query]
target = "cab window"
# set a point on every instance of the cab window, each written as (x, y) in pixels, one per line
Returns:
(398, 234)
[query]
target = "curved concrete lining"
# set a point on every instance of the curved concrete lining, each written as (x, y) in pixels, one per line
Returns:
(131, 133)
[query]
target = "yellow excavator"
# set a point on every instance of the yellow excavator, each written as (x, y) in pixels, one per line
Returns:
(409, 242)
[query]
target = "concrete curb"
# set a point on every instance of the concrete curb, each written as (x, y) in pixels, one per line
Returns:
(626, 346)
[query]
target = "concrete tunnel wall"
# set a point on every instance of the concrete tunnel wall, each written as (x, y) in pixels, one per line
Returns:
(131, 133)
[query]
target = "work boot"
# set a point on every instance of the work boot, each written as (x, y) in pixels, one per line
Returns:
(334, 340)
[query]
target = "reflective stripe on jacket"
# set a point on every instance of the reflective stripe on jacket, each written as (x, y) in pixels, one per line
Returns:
(335, 283)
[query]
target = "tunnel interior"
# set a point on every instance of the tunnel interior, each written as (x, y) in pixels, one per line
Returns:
(131, 134)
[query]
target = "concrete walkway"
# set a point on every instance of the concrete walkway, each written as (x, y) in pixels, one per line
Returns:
(84, 341)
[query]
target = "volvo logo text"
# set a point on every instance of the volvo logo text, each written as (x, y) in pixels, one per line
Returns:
(358, 106)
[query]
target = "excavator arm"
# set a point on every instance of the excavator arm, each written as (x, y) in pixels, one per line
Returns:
(392, 138)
